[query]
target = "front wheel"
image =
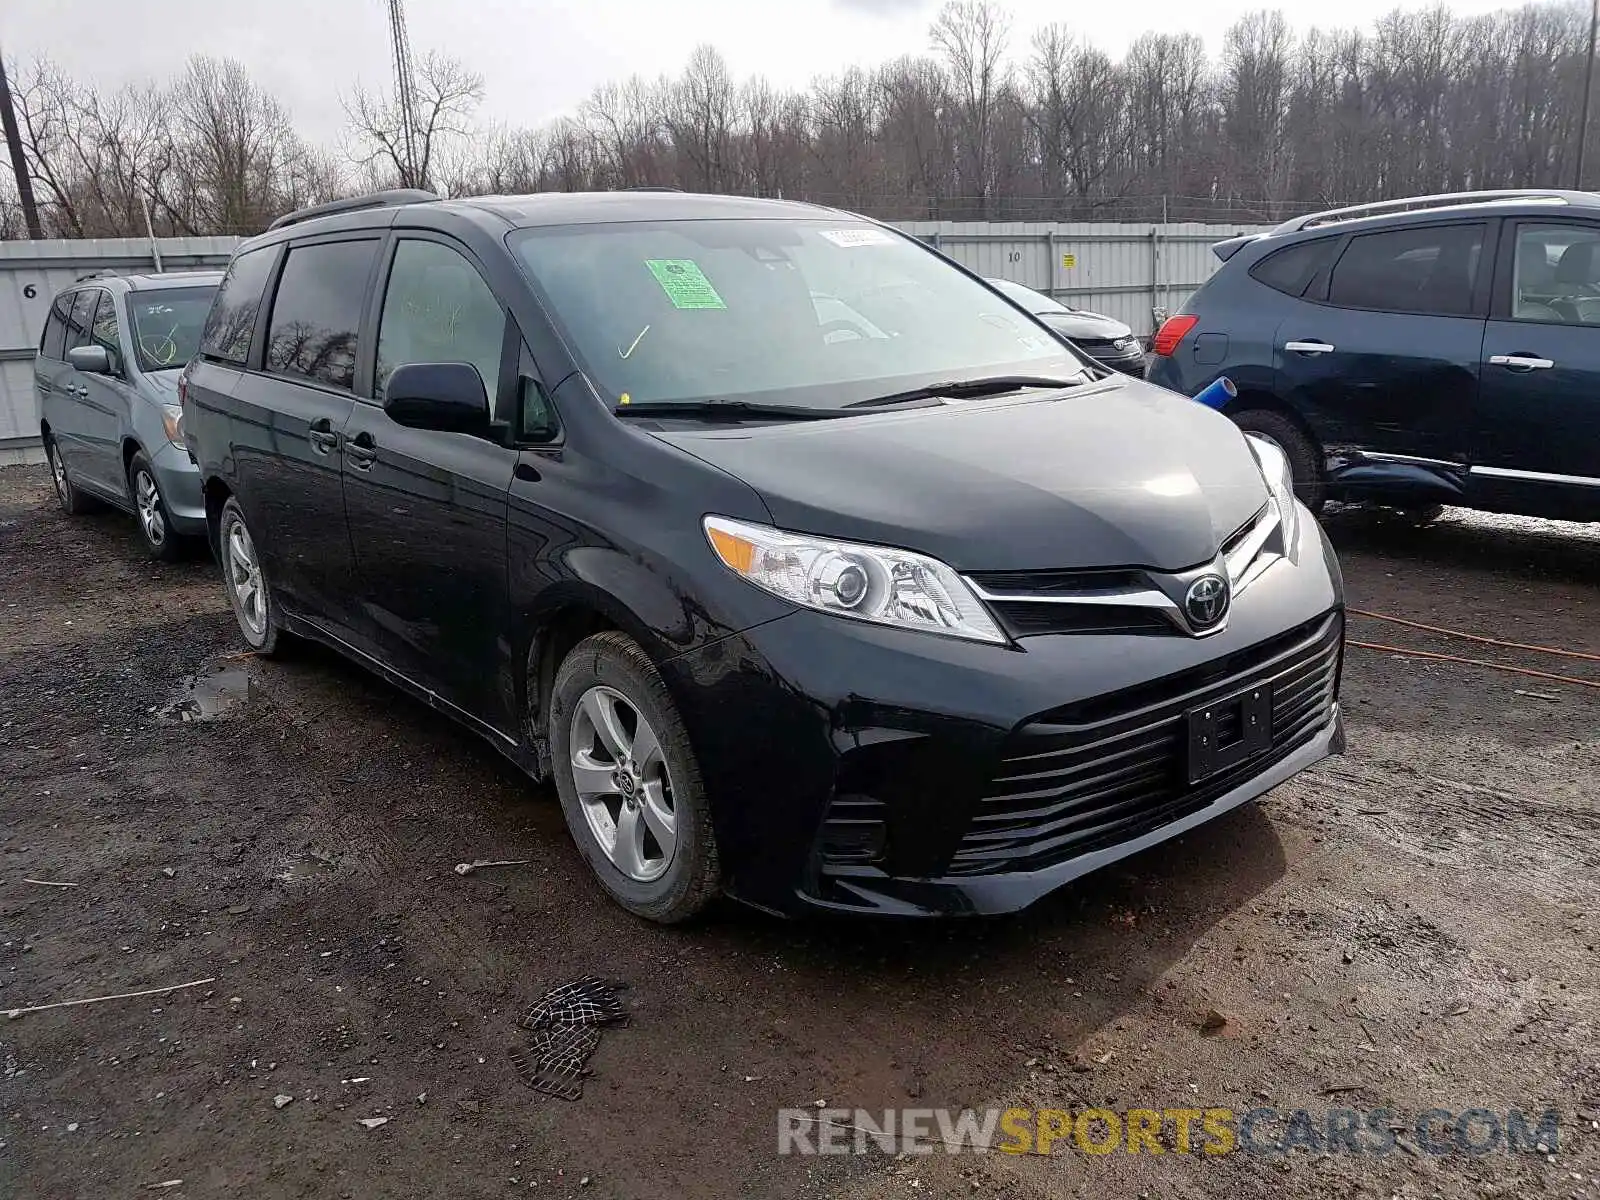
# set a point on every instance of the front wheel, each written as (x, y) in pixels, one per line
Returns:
(155, 523)
(629, 783)
(1305, 459)
(246, 580)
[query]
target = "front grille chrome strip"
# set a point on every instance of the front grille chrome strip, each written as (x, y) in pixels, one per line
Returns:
(1243, 559)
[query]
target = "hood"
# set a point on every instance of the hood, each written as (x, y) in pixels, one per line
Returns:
(162, 385)
(1116, 474)
(1079, 324)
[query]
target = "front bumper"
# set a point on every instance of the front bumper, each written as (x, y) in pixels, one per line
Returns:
(179, 481)
(853, 767)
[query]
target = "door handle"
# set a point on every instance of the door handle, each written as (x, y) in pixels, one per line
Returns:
(1308, 347)
(322, 437)
(361, 451)
(1521, 362)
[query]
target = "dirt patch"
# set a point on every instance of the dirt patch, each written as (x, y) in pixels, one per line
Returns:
(1412, 927)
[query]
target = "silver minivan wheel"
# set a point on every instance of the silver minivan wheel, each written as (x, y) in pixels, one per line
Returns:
(151, 518)
(72, 501)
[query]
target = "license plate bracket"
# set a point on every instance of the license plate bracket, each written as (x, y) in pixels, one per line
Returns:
(1229, 730)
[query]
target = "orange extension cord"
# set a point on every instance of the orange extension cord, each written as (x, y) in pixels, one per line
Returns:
(1473, 637)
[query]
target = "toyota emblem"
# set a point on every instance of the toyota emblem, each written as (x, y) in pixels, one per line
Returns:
(1207, 601)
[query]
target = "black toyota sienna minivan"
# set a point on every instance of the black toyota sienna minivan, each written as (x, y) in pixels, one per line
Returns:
(809, 567)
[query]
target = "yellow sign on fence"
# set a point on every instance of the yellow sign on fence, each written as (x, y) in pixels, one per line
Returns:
(1069, 261)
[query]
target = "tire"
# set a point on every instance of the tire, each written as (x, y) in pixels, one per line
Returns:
(609, 694)
(1305, 457)
(249, 593)
(73, 502)
(150, 508)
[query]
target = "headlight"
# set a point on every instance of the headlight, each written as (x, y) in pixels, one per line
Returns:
(868, 583)
(1280, 482)
(172, 422)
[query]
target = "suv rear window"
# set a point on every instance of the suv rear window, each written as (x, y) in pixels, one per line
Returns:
(1289, 270)
(317, 311)
(232, 320)
(1427, 270)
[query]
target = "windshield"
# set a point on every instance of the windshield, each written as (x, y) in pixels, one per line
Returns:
(1034, 302)
(813, 313)
(167, 324)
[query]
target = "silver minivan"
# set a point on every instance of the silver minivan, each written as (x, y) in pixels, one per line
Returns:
(107, 380)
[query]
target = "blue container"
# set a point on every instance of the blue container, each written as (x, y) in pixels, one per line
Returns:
(1217, 393)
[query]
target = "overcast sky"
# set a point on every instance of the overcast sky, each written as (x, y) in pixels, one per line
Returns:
(540, 58)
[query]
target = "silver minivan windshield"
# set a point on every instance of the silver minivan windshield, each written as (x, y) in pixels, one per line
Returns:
(811, 313)
(167, 325)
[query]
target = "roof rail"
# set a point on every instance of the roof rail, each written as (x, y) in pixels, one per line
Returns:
(651, 188)
(388, 199)
(103, 273)
(1355, 212)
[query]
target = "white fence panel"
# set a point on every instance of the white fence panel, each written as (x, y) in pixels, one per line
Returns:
(1132, 272)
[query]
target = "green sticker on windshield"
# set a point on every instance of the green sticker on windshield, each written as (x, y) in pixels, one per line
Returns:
(684, 283)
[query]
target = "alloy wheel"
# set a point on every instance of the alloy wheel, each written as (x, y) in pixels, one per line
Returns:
(623, 784)
(245, 578)
(58, 470)
(148, 499)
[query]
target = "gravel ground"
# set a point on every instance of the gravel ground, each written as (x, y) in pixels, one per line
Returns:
(1410, 927)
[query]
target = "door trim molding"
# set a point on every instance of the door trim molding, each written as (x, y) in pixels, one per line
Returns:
(1536, 476)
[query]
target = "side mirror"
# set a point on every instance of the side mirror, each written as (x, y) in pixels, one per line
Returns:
(91, 359)
(448, 397)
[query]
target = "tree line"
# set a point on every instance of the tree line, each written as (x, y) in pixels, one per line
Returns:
(991, 122)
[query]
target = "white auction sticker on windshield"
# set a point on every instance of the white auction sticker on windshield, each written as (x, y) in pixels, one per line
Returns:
(849, 238)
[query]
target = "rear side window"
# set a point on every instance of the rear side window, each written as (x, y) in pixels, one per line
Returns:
(232, 320)
(1427, 270)
(317, 311)
(53, 342)
(1289, 270)
(81, 318)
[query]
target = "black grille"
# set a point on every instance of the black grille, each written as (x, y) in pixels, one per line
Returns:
(1066, 787)
(1106, 347)
(1028, 619)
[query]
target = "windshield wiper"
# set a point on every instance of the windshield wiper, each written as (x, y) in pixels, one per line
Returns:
(731, 409)
(966, 389)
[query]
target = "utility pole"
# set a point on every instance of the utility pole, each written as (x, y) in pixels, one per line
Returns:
(19, 165)
(1588, 86)
(405, 95)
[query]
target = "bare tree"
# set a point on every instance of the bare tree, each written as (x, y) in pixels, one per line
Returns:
(448, 95)
(971, 36)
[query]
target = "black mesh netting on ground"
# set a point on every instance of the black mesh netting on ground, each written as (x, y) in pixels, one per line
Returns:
(563, 1031)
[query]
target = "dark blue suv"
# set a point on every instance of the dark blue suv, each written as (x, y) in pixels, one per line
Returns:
(1439, 350)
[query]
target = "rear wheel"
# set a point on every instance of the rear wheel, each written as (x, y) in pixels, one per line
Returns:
(246, 580)
(629, 783)
(73, 502)
(155, 523)
(1305, 459)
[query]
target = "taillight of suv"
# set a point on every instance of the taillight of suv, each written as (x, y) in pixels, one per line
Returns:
(1173, 330)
